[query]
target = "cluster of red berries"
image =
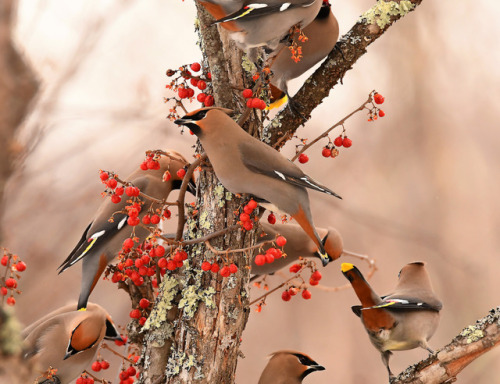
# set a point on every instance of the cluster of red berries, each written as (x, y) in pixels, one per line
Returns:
(246, 220)
(142, 312)
(84, 379)
(127, 375)
(376, 112)
(253, 102)
(287, 294)
(306, 294)
(100, 364)
(225, 271)
(187, 91)
(271, 253)
(9, 285)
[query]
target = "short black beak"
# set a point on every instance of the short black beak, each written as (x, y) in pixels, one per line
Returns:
(182, 121)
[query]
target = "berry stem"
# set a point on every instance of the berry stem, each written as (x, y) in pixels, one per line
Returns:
(106, 346)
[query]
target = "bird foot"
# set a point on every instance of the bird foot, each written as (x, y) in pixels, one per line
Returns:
(295, 107)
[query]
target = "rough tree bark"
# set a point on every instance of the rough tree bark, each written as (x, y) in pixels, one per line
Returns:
(18, 86)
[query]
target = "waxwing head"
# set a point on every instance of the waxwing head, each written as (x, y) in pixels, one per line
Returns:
(350, 271)
(334, 246)
(291, 364)
(86, 334)
(414, 275)
(201, 120)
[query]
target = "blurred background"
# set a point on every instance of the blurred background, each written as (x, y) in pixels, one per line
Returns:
(421, 183)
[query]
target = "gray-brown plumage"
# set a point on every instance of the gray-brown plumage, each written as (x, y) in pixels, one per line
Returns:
(288, 367)
(67, 340)
(261, 23)
(404, 319)
(102, 240)
(244, 164)
(322, 34)
(298, 244)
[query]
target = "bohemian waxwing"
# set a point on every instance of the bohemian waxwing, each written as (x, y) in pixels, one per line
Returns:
(261, 23)
(66, 340)
(404, 319)
(288, 367)
(244, 164)
(298, 245)
(102, 240)
(322, 35)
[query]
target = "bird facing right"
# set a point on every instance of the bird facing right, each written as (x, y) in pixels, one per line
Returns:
(288, 367)
(405, 318)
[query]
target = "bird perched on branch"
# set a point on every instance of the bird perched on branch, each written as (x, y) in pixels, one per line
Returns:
(322, 35)
(404, 319)
(244, 164)
(288, 367)
(261, 23)
(298, 244)
(102, 240)
(67, 340)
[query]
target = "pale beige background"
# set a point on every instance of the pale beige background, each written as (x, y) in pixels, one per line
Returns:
(420, 184)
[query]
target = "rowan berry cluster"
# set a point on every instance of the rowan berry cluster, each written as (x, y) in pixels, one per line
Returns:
(8, 283)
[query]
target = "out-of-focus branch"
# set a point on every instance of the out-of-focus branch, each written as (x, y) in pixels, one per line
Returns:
(444, 365)
(372, 24)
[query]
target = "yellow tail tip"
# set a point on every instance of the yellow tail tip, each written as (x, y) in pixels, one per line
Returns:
(278, 103)
(82, 309)
(346, 267)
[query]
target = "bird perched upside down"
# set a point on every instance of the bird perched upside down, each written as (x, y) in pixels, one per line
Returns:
(288, 367)
(244, 164)
(404, 319)
(102, 240)
(67, 340)
(298, 244)
(261, 23)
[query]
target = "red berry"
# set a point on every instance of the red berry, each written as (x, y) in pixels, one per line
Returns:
(280, 241)
(338, 141)
(162, 263)
(20, 266)
(303, 158)
(135, 314)
(278, 254)
(144, 166)
(133, 221)
(247, 93)
(293, 291)
(167, 176)
(269, 258)
(138, 263)
(183, 93)
(167, 213)
(11, 301)
(206, 266)
(117, 276)
(316, 275)
(146, 220)
(115, 199)
(202, 85)
(119, 191)
(4, 291)
(119, 342)
(80, 380)
(306, 294)
(190, 92)
(262, 105)
(244, 217)
(346, 142)
(285, 296)
(252, 204)
(313, 282)
(233, 268)
(171, 265)
(11, 283)
(128, 243)
(224, 272)
(201, 97)
(142, 321)
(112, 183)
(381, 113)
(378, 98)
(181, 173)
(209, 101)
(96, 366)
(155, 219)
(260, 260)
(249, 103)
(256, 103)
(326, 152)
(123, 375)
(215, 268)
(248, 225)
(195, 67)
(159, 251)
(104, 176)
(271, 219)
(104, 364)
(5, 260)
(295, 268)
(131, 371)
(209, 75)
(247, 209)
(145, 259)
(194, 82)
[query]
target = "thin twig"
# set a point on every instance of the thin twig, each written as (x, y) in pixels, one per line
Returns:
(106, 346)
(227, 251)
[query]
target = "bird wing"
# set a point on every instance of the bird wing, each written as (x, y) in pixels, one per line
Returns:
(256, 9)
(357, 310)
(407, 303)
(266, 162)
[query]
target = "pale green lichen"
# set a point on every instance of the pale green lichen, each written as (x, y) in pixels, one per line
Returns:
(472, 334)
(159, 313)
(191, 297)
(178, 361)
(248, 65)
(11, 342)
(204, 220)
(382, 12)
(229, 196)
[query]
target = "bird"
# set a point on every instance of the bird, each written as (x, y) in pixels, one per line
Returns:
(244, 164)
(254, 24)
(288, 367)
(66, 340)
(322, 34)
(404, 319)
(298, 245)
(102, 240)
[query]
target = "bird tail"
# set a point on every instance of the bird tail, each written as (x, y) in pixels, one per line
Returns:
(302, 218)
